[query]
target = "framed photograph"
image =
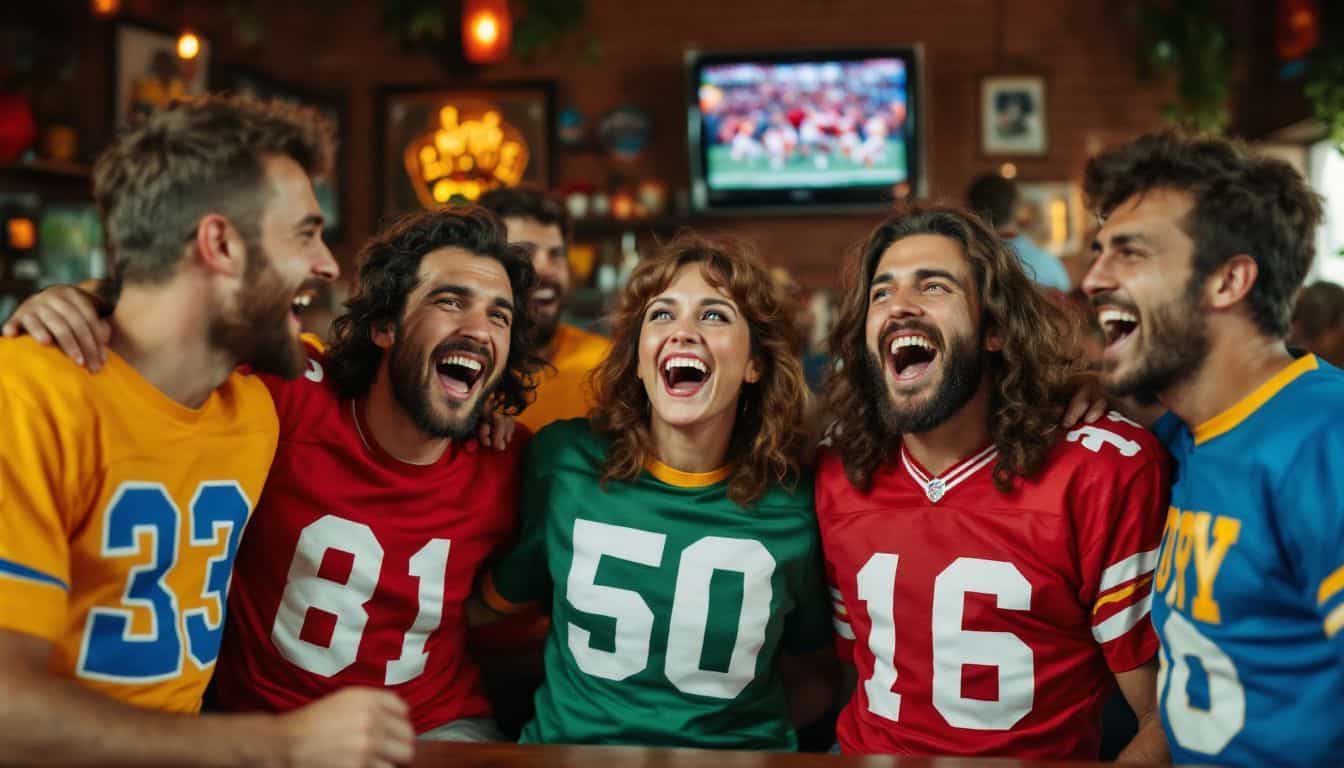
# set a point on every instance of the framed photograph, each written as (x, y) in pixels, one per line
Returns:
(1013, 115)
(149, 74)
(443, 143)
(330, 103)
(1051, 214)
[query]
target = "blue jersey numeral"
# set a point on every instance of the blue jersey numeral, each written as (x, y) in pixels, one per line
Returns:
(111, 651)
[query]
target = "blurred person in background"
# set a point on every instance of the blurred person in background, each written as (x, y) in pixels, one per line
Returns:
(1318, 322)
(996, 200)
(540, 225)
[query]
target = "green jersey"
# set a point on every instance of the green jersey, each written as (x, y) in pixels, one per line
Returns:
(670, 602)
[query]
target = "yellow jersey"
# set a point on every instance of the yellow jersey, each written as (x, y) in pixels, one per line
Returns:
(120, 513)
(565, 393)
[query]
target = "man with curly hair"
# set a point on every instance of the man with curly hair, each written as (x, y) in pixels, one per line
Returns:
(1202, 248)
(989, 569)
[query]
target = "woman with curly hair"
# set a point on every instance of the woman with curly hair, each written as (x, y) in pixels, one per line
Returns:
(991, 567)
(673, 531)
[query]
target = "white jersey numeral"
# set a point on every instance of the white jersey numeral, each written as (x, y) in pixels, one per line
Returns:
(953, 646)
(1199, 729)
(305, 590)
(690, 607)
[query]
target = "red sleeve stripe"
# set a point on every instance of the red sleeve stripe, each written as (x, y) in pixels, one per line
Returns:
(1128, 569)
(1121, 623)
(843, 629)
(1122, 594)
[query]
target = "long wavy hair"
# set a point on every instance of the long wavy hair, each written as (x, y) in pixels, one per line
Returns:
(1032, 378)
(769, 435)
(389, 270)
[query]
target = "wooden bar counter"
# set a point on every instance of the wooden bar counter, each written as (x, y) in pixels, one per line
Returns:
(452, 755)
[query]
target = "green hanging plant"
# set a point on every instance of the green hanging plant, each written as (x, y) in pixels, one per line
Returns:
(1180, 39)
(1324, 82)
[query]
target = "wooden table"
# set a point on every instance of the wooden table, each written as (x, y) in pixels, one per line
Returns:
(450, 755)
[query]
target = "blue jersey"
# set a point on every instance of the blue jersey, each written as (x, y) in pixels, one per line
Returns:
(1248, 597)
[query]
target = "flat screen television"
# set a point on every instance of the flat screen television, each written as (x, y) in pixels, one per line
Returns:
(789, 131)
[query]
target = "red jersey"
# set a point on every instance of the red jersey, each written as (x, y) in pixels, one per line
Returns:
(992, 623)
(355, 567)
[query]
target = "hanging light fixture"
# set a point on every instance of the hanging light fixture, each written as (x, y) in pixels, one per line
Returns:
(487, 30)
(188, 45)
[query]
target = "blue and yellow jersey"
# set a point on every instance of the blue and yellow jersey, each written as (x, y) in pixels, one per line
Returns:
(1249, 591)
(120, 513)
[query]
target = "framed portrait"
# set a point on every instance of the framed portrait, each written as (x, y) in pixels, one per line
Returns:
(329, 103)
(1013, 115)
(1051, 214)
(444, 143)
(148, 73)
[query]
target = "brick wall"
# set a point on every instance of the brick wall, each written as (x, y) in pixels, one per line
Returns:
(1085, 48)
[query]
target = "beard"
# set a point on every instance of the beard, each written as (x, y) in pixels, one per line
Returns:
(413, 385)
(963, 369)
(257, 332)
(1176, 346)
(544, 325)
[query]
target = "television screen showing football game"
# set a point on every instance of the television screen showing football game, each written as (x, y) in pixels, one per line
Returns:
(797, 125)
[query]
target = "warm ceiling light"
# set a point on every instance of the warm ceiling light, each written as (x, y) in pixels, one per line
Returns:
(1008, 170)
(105, 8)
(486, 29)
(188, 46)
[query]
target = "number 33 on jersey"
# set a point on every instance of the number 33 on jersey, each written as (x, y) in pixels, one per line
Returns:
(990, 622)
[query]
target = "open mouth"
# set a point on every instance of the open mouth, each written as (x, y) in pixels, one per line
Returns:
(910, 356)
(459, 373)
(1118, 325)
(302, 301)
(685, 375)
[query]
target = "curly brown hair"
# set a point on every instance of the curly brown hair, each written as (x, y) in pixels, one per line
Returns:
(1033, 377)
(769, 435)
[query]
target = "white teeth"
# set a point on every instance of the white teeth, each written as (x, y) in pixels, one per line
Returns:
(685, 362)
(1116, 316)
(544, 294)
(465, 362)
(910, 341)
(303, 301)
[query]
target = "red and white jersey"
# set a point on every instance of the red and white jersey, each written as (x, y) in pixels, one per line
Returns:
(355, 567)
(991, 623)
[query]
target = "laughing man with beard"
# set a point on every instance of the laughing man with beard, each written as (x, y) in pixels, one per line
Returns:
(538, 224)
(989, 569)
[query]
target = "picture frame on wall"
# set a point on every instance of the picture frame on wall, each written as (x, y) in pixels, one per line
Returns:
(327, 102)
(440, 143)
(1051, 214)
(147, 72)
(1013, 115)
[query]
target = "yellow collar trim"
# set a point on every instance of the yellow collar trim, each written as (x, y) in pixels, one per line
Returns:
(1229, 419)
(687, 479)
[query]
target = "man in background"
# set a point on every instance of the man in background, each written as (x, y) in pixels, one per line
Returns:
(1318, 322)
(996, 200)
(539, 224)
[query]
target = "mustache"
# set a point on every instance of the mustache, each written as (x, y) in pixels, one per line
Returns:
(896, 327)
(1112, 299)
(463, 345)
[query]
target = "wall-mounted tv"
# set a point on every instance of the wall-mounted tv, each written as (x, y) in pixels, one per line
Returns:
(792, 130)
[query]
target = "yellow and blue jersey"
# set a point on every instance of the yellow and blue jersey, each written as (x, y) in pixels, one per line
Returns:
(120, 513)
(1249, 591)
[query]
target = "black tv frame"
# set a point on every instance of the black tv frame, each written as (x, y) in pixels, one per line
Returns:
(809, 200)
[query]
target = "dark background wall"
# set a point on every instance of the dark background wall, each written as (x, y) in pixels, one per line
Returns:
(1085, 49)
